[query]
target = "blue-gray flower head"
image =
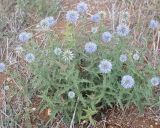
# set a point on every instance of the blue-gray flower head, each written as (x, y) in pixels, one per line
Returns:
(19, 49)
(106, 37)
(57, 51)
(90, 47)
(153, 24)
(96, 17)
(51, 21)
(123, 58)
(68, 56)
(155, 81)
(136, 56)
(6, 87)
(94, 29)
(105, 66)
(122, 30)
(47, 22)
(29, 57)
(71, 94)
(72, 16)
(25, 36)
(127, 81)
(82, 7)
(2, 67)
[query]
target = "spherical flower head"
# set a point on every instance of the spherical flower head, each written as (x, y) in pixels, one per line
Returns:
(72, 16)
(6, 87)
(94, 29)
(125, 16)
(105, 66)
(44, 24)
(82, 7)
(90, 47)
(127, 81)
(123, 58)
(29, 57)
(68, 55)
(50, 21)
(96, 17)
(153, 24)
(71, 94)
(122, 30)
(57, 51)
(47, 22)
(136, 56)
(155, 81)
(25, 36)
(106, 37)
(19, 49)
(2, 67)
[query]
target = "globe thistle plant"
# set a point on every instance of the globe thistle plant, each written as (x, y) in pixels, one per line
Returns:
(2, 67)
(153, 24)
(71, 94)
(90, 47)
(96, 18)
(84, 67)
(82, 7)
(127, 81)
(105, 66)
(155, 81)
(72, 16)
(29, 57)
(68, 55)
(25, 36)
(123, 58)
(106, 37)
(122, 30)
